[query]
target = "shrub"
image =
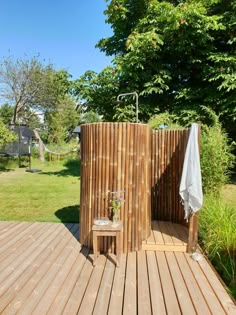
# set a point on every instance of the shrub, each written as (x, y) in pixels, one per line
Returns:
(5, 134)
(216, 157)
(163, 120)
(217, 234)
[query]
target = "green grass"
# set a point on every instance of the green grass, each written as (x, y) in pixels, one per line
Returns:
(218, 237)
(229, 194)
(52, 195)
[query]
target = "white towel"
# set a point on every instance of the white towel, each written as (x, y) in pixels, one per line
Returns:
(191, 181)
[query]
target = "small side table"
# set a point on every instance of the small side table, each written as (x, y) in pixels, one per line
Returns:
(107, 230)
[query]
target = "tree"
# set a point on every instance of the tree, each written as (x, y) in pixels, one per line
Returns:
(62, 121)
(98, 92)
(5, 135)
(30, 86)
(177, 55)
(89, 117)
(6, 113)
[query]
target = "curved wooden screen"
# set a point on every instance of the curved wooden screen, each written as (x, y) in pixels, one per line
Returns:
(116, 157)
(168, 150)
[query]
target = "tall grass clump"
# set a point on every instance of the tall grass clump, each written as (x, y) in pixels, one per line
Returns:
(216, 157)
(217, 234)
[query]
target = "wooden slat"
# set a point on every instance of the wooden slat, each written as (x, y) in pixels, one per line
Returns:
(150, 239)
(218, 287)
(116, 301)
(50, 294)
(164, 247)
(172, 232)
(181, 232)
(172, 306)
(165, 233)
(77, 294)
(19, 263)
(209, 294)
(130, 294)
(157, 298)
(91, 292)
(196, 295)
(31, 274)
(103, 297)
(144, 303)
(157, 233)
(182, 293)
(166, 236)
(66, 290)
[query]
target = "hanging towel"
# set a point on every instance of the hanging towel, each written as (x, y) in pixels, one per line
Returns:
(191, 181)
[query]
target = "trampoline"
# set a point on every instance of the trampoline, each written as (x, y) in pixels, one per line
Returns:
(21, 146)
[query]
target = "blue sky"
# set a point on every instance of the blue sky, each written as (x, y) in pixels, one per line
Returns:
(62, 32)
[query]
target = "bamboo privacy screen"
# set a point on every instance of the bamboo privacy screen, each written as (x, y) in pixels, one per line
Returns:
(116, 157)
(146, 164)
(168, 150)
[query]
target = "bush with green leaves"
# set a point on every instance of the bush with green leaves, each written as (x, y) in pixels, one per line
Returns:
(5, 135)
(216, 158)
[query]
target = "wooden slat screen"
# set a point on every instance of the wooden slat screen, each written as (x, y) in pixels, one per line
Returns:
(168, 149)
(116, 157)
(145, 164)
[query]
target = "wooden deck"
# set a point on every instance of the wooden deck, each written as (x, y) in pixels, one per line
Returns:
(43, 270)
(166, 236)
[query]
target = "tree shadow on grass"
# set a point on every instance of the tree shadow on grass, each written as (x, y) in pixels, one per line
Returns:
(69, 214)
(6, 170)
(72, 168)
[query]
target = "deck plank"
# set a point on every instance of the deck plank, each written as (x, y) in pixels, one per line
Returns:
(166, 236)
(116, 301)
(157, 233)
(42, 286)
(196, 295)
(41, 275)
(150, 239)
(130, 294)
(181, 232)
(165, 233)
(209, 294)
(172, 232)
(50, 294)
(182, 293)
(144, 303)
(8, 240)
(157, 298)
(172, 306)
(91, 292)
(80, 285)
(65, 293)
(20, 261)
(18, 283)
(224, 298)
(102, 302)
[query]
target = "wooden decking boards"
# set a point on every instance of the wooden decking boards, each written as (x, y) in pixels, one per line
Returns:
(166, 236)
(44, 270)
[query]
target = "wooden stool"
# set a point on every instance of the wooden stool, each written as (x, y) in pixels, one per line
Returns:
(107, 230)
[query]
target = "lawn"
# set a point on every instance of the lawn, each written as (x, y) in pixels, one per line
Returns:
(52, 195)
(229, 194)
